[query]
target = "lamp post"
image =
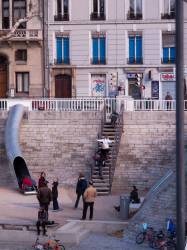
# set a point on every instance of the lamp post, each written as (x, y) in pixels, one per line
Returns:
(180, 169)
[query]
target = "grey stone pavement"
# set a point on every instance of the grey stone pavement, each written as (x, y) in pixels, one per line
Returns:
(15, 208)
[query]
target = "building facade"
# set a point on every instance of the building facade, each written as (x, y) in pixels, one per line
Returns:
(21, 52)
(97, 47)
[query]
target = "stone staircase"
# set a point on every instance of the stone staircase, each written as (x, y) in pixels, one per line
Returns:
(103, 185)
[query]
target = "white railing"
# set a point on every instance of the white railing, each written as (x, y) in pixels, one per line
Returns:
(91, 104)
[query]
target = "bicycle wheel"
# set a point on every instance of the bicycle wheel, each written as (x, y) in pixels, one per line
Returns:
(140, 238)
(169, 245)
(62, 247)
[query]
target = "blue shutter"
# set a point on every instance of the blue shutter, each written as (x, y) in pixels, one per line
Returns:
(131, 49)
(138, 49)
(102, 50)
(95, 50)
(59, 49)
(66, 50)
(172, 55)
(165, 55)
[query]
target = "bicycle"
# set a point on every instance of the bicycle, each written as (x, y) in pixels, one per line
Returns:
(147, 234)
(49, 245)
(164, 242)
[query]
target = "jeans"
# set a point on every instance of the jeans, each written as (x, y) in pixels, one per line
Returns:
(86, 205)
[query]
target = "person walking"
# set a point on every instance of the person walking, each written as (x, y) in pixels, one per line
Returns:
(55, 195)
(105, 146)
(44, 196)
(168, 99)
(80, 188)
(89, 199)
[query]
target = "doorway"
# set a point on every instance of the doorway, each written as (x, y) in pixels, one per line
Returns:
(63, 86)
(3, 76)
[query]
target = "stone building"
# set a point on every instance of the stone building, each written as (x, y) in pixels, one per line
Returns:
(97, 45)
(21, 52)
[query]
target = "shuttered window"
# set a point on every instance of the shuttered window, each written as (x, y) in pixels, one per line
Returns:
(98, 50)
(168, 45)
(62, 50)
(135, 49)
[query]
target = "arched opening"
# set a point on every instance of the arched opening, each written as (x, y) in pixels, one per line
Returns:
(63, 86)
(3, 76)
(20, 169)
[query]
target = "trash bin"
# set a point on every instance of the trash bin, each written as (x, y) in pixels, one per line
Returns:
(124, 207)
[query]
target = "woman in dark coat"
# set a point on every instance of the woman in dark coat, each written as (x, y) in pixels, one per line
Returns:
(55, 194)
(80, 188)
(42, 180)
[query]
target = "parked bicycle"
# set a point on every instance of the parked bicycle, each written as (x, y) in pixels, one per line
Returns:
(146, 234)
(164, 241)
(51, 244)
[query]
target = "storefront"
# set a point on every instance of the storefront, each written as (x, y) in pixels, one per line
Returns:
(168, 84)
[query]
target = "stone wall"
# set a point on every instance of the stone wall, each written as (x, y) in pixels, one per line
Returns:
(147, 149)
(60, 143)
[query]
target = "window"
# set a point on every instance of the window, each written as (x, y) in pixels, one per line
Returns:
(168, 46)
(22, 82)
(135, 11)
(21, 55)
(135, 49)
(62, 7)
(62, 50)
(98, 50)
(19, 11)
(98, 12)
(5, 14)
(169, 9)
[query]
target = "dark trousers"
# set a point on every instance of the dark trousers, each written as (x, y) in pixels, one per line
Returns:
(78, 198)
(104, 153)
(55, 204)
(42, 224)
(85, 208)
(45, 206)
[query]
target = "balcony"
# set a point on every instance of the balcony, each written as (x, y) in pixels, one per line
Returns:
(62, 61)
(60, 17)
(168, 60)
(23, 34)
(97, 61)
(170, 15)
(133, 16)
(132, 60)
(95, 16)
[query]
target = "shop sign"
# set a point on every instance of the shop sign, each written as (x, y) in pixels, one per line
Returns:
(131, 75)
(167, 77)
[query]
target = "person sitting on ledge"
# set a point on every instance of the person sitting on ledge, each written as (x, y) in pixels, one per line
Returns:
(133, 198)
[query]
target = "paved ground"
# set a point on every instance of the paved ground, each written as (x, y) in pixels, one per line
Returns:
(16, 208)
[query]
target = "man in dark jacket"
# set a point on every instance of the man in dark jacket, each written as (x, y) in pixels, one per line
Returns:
(80, 188)
(44, 196)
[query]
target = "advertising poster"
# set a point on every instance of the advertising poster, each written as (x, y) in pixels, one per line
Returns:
(155, 89)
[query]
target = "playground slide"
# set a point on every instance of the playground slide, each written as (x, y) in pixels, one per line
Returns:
(12, 143)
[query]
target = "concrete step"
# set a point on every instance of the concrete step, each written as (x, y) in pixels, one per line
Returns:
(72, 232)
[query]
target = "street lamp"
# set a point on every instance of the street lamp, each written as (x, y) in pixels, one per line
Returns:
(180, 169)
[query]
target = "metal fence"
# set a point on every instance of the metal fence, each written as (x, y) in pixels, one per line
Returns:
(91, 104)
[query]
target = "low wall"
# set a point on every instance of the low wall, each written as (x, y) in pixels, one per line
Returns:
(147, 149)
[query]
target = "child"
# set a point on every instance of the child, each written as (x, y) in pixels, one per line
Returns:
(42, 220)
(55, 194)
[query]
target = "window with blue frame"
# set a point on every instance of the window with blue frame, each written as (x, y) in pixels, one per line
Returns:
(135, 49)
(62, 50)
(168, 48)
(98, 50)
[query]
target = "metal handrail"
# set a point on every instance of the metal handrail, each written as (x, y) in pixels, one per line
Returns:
(116, 144)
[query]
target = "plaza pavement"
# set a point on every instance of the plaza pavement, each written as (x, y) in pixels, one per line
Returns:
(16, 208)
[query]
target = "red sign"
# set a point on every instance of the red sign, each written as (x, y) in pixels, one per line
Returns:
(167, 77)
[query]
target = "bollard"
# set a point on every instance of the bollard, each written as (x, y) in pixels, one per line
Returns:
(124, 207)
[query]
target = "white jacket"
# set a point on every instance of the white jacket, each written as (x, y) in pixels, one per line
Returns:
(105, 143)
